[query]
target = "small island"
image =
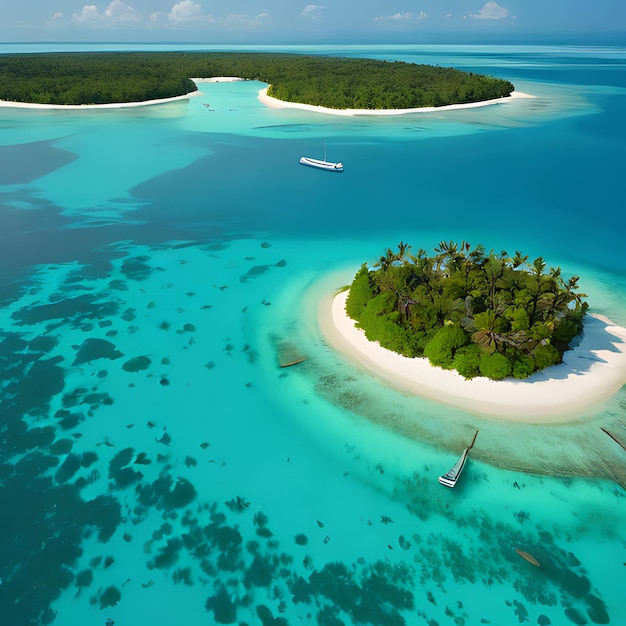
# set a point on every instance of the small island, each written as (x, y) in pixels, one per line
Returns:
(482, 314)
(335, 83)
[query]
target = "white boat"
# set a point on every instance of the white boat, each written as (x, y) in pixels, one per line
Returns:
(323, 165)
(450, 478)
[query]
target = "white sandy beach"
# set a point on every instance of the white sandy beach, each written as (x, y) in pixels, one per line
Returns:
(264, 99)
(281, 104)
(111, 105)
(591, 372)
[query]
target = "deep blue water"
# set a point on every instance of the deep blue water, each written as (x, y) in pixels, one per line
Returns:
(154, 265)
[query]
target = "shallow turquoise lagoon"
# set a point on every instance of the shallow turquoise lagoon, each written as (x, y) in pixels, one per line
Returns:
(157, 263)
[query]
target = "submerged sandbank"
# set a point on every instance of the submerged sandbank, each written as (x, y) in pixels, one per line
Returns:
(282, 104)
(590, 373)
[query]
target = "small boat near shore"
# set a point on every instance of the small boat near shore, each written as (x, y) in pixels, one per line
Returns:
(322, 164)
(450, 478)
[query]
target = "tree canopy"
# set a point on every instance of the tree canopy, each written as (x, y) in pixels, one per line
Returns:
(334, 82)
(482, 314)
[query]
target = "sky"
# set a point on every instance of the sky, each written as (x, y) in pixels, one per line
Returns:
(295, 21)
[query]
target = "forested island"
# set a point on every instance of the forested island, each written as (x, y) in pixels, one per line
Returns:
(333, 82)
(481, 314)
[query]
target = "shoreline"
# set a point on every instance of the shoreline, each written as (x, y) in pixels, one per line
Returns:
(266, 100)
(274, 103)
(590, 373)
(110, 105)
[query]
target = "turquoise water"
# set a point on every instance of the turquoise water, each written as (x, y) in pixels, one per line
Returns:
(158, 465)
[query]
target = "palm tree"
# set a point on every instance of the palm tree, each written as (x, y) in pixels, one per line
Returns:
(518, 259)
(386, 260)
(403, 248)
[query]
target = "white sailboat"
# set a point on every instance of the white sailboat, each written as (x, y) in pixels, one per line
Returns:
(323, 165)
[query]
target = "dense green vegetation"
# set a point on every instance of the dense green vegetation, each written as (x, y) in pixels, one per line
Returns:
(99, 78)
(481, 314)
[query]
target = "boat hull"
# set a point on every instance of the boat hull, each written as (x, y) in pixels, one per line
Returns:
(322, 165)
(450, 479)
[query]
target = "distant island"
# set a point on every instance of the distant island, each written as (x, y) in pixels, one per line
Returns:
(331, 82)
(481, 314)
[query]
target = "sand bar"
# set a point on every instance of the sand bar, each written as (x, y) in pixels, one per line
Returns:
(591, 372)
(281, 104)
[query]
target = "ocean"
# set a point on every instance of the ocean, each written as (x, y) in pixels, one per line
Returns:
(158, 263)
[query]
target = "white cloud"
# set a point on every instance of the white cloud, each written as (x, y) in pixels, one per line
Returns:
(89, 14)
(116, 12)
(402, 16)
(491, 11)
(120, 12)
(188, 11)
(57, 16)
(313, 11)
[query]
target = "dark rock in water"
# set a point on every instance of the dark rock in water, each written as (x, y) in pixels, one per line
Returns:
(238, 504)
(183, 575)
(129, 315)
(165, 439)
(266, 244)
(164, 382)
(88, 458)
(136, 268)
(260, 519)
(61, 446)
(573, 615)
(119, 285)
(127, 537)
(257, 270)
(281, 263)
(320, 524)
(168, 554)
(84, 578)
(224, 609)
(109, 597)
(68, 468)
(93, 348)
(301, 539)
(43, 343)
(137, 364)
(126, 476)
(597, 610)
(182, 494)
(267, 619)
(520, 611)
(210, 365)
(543, 620)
